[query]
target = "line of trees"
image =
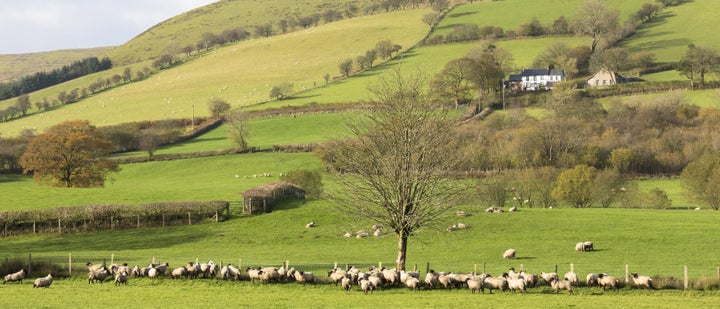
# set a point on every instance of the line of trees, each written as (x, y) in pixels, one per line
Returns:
(41, 80)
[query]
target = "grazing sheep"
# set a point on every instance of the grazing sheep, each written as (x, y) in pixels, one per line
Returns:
(310, 225)
(375, 281)
(136, 272)
(444, 281)
(588, 246)
(572, 277)
(391, 276)
(606, 281)
(15, 277)
(558, 285)
(208, 269)
(303, 277)
(361, 234)
(377, 233)
(530, 279)
(509, 254)
(43, 282)
(492, 283)
(412, 283)
(547, 277)
(192, 270)
(473, 284)
(179, 273)
(461, 226)
(452, 228)
(348, 235)
(365, 286)
(431, 279)
(346, 283)
(490, 210)
(121, 278)
(516, 284)
(269, 274)
(253, 273)
(580, 247)
(642, 281)
(498, 211)
(460, 213)
(376, 226)
(513, 209)
(153, 273)
(336, 275)
(98, 275)
(592, 279)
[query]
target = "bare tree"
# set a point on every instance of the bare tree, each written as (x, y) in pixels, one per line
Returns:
(237, 124)
(595, 19)
(397, 169)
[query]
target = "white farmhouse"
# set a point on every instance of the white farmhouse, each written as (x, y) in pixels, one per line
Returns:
(535, 79)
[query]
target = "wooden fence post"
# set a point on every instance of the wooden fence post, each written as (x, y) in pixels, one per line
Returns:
(475, 269)
(572, 267)
(69, 264)
(112, 258)
(111, 222)
(627, 273)
(29, 263)
(685, 278)
(138, 220)
(415, 267)
(34, 230)
(59, 226)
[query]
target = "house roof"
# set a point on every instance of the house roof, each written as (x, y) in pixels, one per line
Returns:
(515, 78)
(614, 75)
(537, 72)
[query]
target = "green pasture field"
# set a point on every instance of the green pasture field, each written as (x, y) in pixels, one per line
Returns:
(241, 73)
(669, 34)
(17, 65)
(651, 242)
(510, 14)
(201, 179)
(187, 28)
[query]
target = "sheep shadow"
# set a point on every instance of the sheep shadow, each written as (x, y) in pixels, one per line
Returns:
(526, 258)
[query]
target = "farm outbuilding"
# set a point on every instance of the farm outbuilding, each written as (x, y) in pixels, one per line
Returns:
(260, 199)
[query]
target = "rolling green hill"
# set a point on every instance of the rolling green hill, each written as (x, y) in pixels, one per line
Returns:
(18, 65)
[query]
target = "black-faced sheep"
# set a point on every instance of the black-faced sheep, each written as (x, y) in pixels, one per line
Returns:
(588, 246)
(444, 281)
(336, 275)
(253, 273)
(607, 281)
(162, 268)
(269, 274)
(304, 277)
(558, 285)
(592, 279)
(365, 286)
(391, 276)
(509, 254)
(310, 225)
(98, 275)
(642, 281)
(346, 283)
(375, 281)
(121, 278)
(43, 282)
(15, 277)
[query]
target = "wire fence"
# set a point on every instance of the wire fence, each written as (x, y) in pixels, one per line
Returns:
(672, 276)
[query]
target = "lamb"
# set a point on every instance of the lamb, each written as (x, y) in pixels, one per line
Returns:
(473, 284)
(98, 275)
(43, 282)
(15, 277)
(572, 277)
(558, 285)
(642, 281)
(509, 254)
(121, 278)
(547, 277)
(592, 279)
(365, 286)
(179, 272)
(606, 281)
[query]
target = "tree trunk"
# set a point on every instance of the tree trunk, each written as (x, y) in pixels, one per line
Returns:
(402, 252)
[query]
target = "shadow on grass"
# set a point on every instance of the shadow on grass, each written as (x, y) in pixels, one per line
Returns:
(5, 178)
(455, 15)
(525, 258)
(288, 204)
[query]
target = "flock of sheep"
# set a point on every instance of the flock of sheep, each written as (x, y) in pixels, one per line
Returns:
(366, 280)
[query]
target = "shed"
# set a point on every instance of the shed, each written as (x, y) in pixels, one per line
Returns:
(261, 198)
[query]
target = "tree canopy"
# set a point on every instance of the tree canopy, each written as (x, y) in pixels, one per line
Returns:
(70, 154)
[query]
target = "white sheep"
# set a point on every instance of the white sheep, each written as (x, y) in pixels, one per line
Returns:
(580, 247)
(642, 281)
(547, 277)
(179, 272)
(391, 276)
(95, 267)
(365, 286)
(268, 274)
(592, 279)
(375, 281)
(136, 272)
(492, 283)
(43, 282)
(558, 285)
(404, 275)
(516, 284)
(444, 281)
(412, 283)
(490, 210)
(460, 213)
(530, 279)
(461, 226)
(348, 235)
(513, 209)
(310, 225)
(336, 275)
(606, 281)
(509, 254)
(377, 233)
(572, 277)
(304, 277)
(376, 226)
(361, 234)
(121, 278)
(473, 284)
(431, 279)
(346, 283)
(153, 273)
(253, 273)
(98, 275)
(15, 277)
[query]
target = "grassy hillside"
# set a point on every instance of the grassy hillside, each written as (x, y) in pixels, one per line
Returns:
(242, 73)
(187, 29)
(17, 65)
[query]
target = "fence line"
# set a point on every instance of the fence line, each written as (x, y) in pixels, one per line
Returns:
(73, 266)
